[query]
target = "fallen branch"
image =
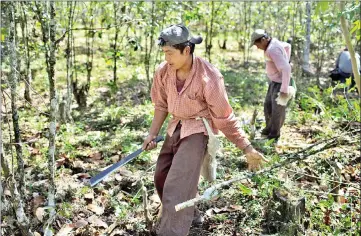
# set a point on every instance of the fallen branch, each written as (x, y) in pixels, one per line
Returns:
(328, 180)
(211, 192)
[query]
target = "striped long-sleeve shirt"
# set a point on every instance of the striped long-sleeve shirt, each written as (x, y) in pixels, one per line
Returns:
(203, 95)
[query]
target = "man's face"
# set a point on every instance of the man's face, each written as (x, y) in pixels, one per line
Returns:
(261, 44)
(174, 57)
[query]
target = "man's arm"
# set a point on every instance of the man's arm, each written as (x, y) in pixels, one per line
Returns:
(158, 120)
(282, 65)
(159, 99)
(222, 113)
(225, 120)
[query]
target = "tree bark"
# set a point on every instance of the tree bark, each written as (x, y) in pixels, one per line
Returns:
(346, 35)
(81, 91)
(285, 212)
(115, 45)
(25, 34)
(69, 64)
(17, 199)
(13, 79)
(90, 48)
(210, 34)
(48, 27)
(245, 31)
(149, 48)
(306, 51)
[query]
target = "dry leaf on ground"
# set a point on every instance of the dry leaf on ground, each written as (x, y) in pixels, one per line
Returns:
(96, 222)
(96, 209)
(65, 230)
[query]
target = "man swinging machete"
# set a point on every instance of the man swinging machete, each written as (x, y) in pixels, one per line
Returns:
(189, 88)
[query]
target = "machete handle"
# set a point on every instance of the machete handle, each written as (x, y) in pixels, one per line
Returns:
(158, 139)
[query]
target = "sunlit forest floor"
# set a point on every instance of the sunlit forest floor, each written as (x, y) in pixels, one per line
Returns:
(117, 119)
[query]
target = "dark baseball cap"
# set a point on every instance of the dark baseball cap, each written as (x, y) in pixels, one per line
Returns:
(176, 34)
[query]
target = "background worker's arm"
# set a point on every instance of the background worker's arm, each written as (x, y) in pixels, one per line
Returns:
(282, 64)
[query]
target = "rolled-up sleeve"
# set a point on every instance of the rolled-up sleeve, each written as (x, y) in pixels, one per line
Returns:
(158, 92)
(222, 113)
(282, 63)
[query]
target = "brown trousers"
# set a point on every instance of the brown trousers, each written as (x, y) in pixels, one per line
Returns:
(176, 180)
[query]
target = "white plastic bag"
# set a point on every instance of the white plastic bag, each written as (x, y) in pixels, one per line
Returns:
(283, 101)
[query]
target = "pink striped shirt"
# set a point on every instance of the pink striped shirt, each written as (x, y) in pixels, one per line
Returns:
(278, 68)
(203, 95)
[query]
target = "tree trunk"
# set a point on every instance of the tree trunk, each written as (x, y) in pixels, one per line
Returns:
(48, 27)
(149, 48)
(239, 29)
(248, 20)
(25, 34)
(13, 79)
(306, 51)
(224, 44)
(18, 59)
(53, 112)
(17, 199)
(245, 31)
(206, 40)
(90, 48)
(284, 213)
(69, 65)
(346, 35)
(115, 45)
(81, 91)
(210, 34)
(157, 54)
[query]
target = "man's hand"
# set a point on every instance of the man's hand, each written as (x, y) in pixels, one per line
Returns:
(149, 142)
(255, 159)
(283, 95)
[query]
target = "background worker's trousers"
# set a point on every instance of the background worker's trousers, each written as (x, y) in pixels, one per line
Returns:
(274, 114)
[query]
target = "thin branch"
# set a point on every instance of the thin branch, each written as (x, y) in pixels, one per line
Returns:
(329, 180)
(105, 28)
(32, 89)
(324, 193)
(56, 43)
(211, 191)
(10, 136)
(40, 112)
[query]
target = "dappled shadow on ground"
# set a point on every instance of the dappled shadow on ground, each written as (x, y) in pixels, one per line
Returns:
(245, 88)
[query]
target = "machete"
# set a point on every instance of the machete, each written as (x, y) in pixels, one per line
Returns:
(99, 177)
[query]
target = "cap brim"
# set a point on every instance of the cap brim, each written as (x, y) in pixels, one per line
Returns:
(196, 40)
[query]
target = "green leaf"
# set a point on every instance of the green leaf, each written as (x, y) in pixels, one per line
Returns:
(109, 62)
(3, 34)
(245, 190)
(348, 81)
(356, 27)
(321, 7)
